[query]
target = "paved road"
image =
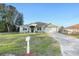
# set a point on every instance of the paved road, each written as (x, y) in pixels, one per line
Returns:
(69, 45)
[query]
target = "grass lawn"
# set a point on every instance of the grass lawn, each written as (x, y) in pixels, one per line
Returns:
(40, 44)
(75, 35)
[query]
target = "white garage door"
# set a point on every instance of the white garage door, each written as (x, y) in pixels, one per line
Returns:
(48, 30)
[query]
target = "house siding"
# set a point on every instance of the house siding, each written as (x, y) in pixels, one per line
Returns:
(39, 29)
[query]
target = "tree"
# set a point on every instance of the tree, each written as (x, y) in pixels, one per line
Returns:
(8, 17)
(2, 11)
(11, 17)
(61, 29)
(19, 21)
(2, 27)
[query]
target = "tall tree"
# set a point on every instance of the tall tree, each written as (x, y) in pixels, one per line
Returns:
(8, 17)
(11, 17)
(19, 21)
(2, 26)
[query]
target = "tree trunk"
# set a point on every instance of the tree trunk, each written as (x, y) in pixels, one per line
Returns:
(8, 28)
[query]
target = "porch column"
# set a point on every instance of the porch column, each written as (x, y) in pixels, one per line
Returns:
(42, 30)
(34, 29)
(30, 30)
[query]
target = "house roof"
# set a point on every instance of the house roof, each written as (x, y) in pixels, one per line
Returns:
(51, 25)
(40, 24)
(32, 24)
(25, 26)
(73, 26)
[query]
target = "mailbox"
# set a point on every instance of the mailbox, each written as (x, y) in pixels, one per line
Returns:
(28, 45)
(28, 38)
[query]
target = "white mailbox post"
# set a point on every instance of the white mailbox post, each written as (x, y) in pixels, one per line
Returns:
(28, 45)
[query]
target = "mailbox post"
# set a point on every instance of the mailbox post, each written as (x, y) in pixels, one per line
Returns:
(28, 45)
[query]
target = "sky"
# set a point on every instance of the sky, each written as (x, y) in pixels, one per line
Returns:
(62, 14)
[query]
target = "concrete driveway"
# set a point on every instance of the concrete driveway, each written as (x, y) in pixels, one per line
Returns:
(69, 45)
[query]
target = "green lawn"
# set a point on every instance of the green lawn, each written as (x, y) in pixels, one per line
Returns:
(40, 44)
(75, 35)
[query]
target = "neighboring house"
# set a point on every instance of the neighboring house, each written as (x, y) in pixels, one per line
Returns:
(74, 29)
(39, 27)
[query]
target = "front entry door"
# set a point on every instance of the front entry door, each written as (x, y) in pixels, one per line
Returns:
(32, 28)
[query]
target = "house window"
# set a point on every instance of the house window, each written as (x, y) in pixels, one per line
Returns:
(24, 28)
(39, 28)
